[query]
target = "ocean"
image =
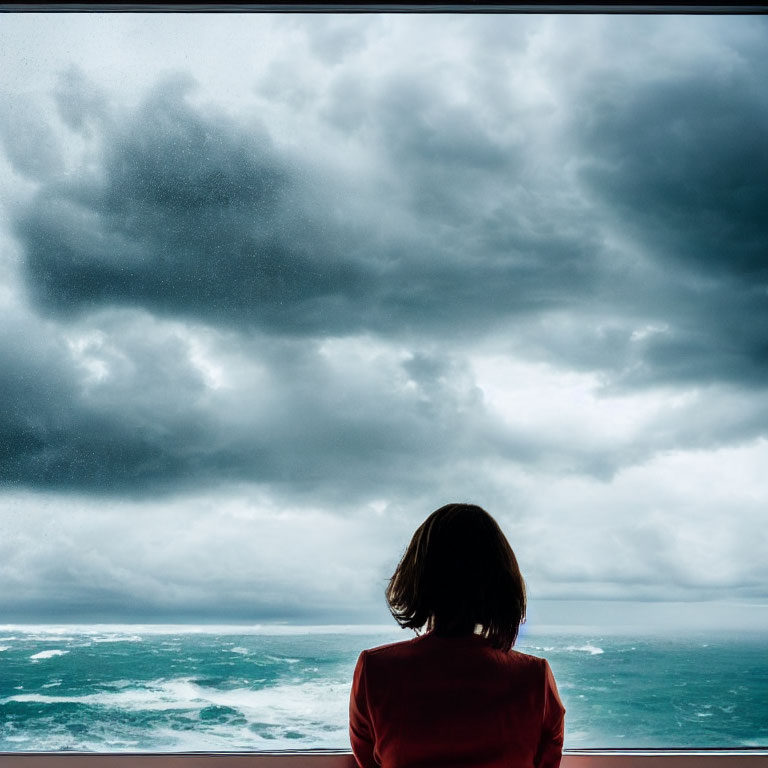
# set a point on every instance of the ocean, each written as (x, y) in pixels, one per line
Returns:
(166, 689)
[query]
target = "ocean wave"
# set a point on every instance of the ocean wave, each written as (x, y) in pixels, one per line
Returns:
(279, 717)
(47, 654)
(593, 650)
(324, 702)
(5, 648)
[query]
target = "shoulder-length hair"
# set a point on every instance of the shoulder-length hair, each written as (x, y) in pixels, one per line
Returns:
(459, 572)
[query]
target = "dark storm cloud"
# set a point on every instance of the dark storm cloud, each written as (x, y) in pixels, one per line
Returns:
(125, 410)
(458, 230)
(186, 215)
(193, 215)
(681, 165)
(58, 431)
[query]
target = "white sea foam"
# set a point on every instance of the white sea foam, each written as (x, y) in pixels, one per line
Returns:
(580, 738)
(242, 651)
(593, 650)
(47, 654)
(279, 717)
(52, 684)
(118, 638)
(4, 648)
(232, 736)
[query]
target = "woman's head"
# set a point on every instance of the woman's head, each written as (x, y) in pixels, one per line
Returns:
(459, 571)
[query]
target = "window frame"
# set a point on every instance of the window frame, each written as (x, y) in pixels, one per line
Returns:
(755, 757)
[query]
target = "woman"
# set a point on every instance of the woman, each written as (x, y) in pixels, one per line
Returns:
(457, 695)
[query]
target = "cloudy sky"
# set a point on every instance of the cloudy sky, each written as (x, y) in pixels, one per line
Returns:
(276, 287)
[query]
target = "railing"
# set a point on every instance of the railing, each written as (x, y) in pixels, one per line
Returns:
(708, 758)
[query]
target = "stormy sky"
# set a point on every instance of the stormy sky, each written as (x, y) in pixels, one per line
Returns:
(276, 287)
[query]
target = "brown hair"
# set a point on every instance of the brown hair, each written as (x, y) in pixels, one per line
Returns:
(459, 571)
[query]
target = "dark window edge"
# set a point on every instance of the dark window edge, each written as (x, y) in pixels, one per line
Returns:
(426, 6)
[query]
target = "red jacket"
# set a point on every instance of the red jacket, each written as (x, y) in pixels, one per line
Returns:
(454, 701)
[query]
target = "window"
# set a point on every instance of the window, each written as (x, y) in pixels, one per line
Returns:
(278, 285)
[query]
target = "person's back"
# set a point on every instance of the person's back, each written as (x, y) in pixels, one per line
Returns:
(456, 697)
(440, 701)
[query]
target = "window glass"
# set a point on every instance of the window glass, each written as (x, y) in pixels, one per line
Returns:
(277, 286)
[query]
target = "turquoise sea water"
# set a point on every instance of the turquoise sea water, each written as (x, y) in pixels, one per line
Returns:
(148, 689)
